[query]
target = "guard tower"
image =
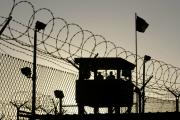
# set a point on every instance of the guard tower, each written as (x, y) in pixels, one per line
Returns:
(112, 94)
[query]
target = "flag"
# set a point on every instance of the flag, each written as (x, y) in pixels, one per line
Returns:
(141, 24)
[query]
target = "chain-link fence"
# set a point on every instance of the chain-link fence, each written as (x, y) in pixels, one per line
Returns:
(16, 88)
(16, 91)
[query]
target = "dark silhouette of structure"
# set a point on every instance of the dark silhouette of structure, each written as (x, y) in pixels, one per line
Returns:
(97, 93)
(104, 93)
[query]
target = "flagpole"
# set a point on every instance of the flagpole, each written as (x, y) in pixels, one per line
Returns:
(140, 26)
(136, 62)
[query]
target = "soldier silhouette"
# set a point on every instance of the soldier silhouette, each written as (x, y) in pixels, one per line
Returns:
(100, 76)
(111, 76)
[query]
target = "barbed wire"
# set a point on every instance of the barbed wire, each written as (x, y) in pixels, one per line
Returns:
(65, 41)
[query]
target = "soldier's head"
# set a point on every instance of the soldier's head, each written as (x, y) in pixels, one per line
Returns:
(111, 73)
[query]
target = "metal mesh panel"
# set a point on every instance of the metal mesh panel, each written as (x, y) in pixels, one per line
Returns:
(16, 88)
(159, 105)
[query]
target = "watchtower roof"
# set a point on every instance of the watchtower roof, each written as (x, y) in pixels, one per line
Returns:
(105, 63)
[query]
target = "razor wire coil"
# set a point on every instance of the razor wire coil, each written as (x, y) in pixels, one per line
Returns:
(66, 44)
(63, 41)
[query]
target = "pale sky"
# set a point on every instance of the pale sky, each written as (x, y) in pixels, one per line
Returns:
(115, 20)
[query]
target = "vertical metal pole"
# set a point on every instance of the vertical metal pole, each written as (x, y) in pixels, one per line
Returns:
(60, 106)
(34, 77)
(136, 63)
(140, 96)
(18, 109)
(177, 103)
(143, 91)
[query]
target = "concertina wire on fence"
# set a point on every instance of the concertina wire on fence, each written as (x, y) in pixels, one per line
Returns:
(65, 41)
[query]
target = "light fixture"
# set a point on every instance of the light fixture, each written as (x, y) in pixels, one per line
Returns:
(26, 71)
(40, 26)
(60, 95)
(147, 58)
